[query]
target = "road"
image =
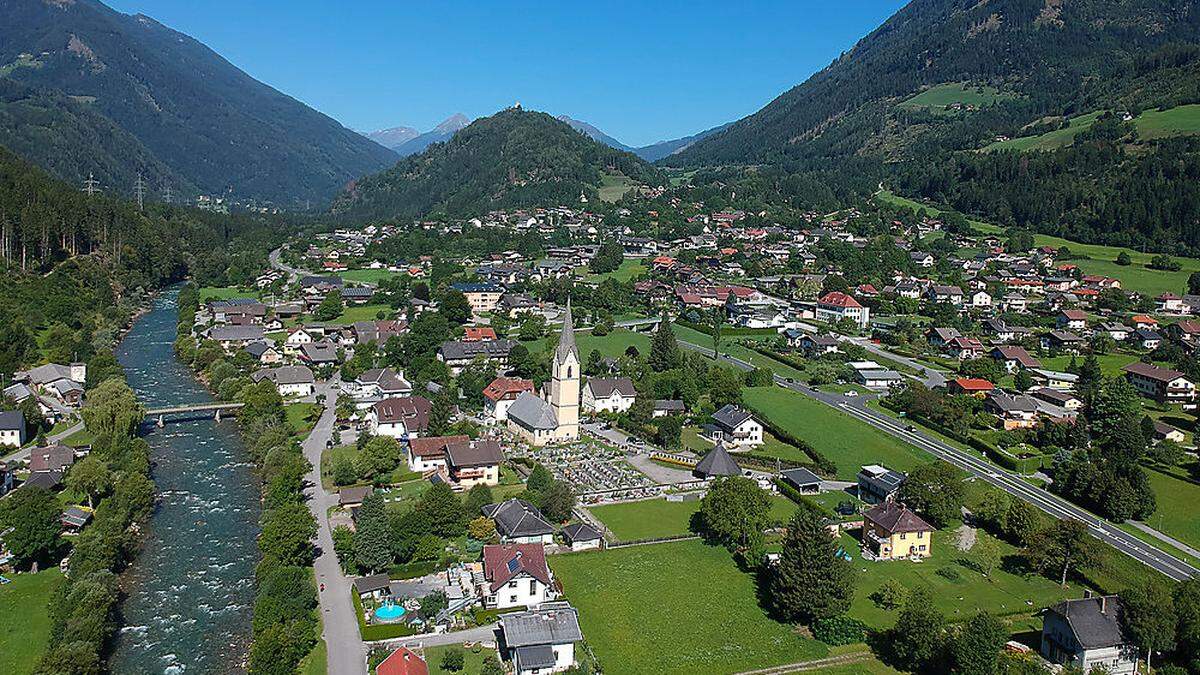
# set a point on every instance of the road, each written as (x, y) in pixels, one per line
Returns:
(458, 637)
(276, 261)
(1011, 483)
(346, 653)
(22, 455)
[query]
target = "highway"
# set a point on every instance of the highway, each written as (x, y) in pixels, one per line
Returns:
(1011, 483)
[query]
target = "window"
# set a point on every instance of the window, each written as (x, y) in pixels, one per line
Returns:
(512, 584)
(904, 535)
(512, 599)
(568, 371)
(533, 586)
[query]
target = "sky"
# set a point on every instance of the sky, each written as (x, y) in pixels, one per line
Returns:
(639, 71)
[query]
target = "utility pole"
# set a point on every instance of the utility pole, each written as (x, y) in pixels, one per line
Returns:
(139, 191)
(91, 186)
(166, 196)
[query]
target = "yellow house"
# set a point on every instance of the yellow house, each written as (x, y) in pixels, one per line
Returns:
(892, 532)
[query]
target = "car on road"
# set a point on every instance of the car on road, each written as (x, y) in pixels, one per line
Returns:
(910, 427)
(852, 393)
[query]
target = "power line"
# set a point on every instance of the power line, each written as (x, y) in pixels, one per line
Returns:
(91, 186)
(139, 191)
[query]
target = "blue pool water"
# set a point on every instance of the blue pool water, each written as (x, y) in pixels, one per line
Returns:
(389, 612)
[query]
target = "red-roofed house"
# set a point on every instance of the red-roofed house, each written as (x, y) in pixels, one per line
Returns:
(516, 575)
(501, 393)
(892, 532)
(972, 386)
(403, 661)
(835, 306)
(479, 333)
(429, 454)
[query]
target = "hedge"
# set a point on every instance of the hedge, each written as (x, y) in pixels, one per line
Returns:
(726, 330)
(997, 454)
(412, 570)
(383, 631)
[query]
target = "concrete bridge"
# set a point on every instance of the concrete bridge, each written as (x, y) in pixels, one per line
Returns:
(214, 408)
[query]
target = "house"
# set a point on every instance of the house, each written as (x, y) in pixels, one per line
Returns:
(1063, 399)
(1071, 319)
(472, 463)
(806, 482)
(921, 259)
(667, 407)
(12, 428)
(940, 337)
(835, 306)
(1087, 634)
(1169, 303)
(500, 393)
(981, 299)
(289, 380)
(352, 497)
(482, 297)
(479, 333)
(878, 378)
(582, 537)
(518, 521)
(1161, 384)
(379, 332)
(965, 348)
(1185, 331)
(541, 640)
(377, 384)
(1014, 358)
(1166, 432)
(266, 354)
(231, 337)
(1063, 341)
(515, 575)
(1054, 379)
(429, 453)
(878, 484)
(403, 661)
(1118, 332)
(319, 353)
(969, 386)
(1147, 338)
(608, 394)
(716, 464)
(1015, 411)
(458, 354)
(734, 425)
(818, 345)
(300, 336)
(951, 295)
(401, 417)
(1142, 321)
(375, 586)
(75, 518)
(892, 532)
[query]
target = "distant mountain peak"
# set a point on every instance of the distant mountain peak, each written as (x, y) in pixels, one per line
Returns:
(393, 137)
(452, 124)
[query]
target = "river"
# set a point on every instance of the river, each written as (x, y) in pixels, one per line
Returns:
(191, 588)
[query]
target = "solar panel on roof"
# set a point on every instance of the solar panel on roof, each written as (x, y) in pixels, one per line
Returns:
(514, 565)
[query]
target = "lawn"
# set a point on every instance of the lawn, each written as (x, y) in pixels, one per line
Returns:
(1177, 500)
(1110, 364)
(731, 346)
(1002, 593)
(943, 95)
(652, 518)
(301, 416)
(771, 446)
(612, 345)
(683, 607)
(846, 441)
(613, 186)
(367, 276)
(79, 438)
(208, 293)
(472, 662)
(629, 268)
(25, 621)
(1099, 259)
(1178, 121)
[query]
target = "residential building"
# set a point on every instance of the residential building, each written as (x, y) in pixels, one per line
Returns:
(515, 575)
(377, 384)
(541, 640)
(428, 453)
(12, 428)
(458, 354)
(291, 381)
(403, 661)
(401, 417)
(1087, 634)
(1014, 358)
(471, 463)
(518, 521)
(892, 532)
(1161, 384)
(1016, 411)
(803, 480)
(482, 297)
(608, 394)
(970, 386)
(835, 306)
(733, 425)
(499, 395)
(582, 537)
(878, 484)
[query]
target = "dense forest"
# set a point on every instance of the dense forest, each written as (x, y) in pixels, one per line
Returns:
(74, 267)
(217, 129)
(515, 158)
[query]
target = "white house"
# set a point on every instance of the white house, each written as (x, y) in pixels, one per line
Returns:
(835, 306)
(608, 394)
(541, 640)
(429, 453)
(291, 381)
(515, 575)
(404, 417)
(519, 522)
(981, 299)
(298, 338)
(499, 395)
(734, 426)
(12, 429)
(1087, 634)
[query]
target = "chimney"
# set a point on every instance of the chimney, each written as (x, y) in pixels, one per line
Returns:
(1103, 604)
(1087, 594)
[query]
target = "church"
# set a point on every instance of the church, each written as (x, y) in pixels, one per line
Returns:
(553, 415)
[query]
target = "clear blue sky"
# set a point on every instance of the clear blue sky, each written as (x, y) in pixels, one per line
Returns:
(640, 71)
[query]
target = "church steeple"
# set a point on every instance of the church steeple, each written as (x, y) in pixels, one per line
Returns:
(566, 340)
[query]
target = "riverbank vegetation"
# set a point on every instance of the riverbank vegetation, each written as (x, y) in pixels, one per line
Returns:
(285, 621)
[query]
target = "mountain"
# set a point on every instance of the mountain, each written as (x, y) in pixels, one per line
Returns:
(439, 134)
(513, 159)
(394, 137)
(594, 133)
(200, 123)
(656, 151)
(1007, 62)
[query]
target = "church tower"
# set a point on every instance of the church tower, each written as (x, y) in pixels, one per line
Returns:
(564, 381)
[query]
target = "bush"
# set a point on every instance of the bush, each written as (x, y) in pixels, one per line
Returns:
(949, 573)
(839, 630)
(890, 595)
(453, 659)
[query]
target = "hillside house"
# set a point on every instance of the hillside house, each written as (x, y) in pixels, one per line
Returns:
(515, 575)
(892, 532)
(608, 394)
(1087, 634)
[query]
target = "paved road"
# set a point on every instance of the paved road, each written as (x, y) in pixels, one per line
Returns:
(275, 258)
(458, 637)
(996, 476)
(22, 455)
(346, 652)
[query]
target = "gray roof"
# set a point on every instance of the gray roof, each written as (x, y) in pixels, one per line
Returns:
(284, 375)
(801, 477)
(670, 404)
(530, 411)
(717, 462)
(603, 387)
(48, 373)
(319, 352)
(474, 453)
(550, 624)
(462, 350)
(12, 419)
(566, 340)
(533, 657)
(581, 532)
(236, 333)
(371, 584)
(730, 416)
(518, 518)
(1096, 622)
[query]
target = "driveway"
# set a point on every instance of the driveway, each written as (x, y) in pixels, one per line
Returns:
(346, 653)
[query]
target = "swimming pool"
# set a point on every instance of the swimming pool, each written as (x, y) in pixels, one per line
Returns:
(389, 611)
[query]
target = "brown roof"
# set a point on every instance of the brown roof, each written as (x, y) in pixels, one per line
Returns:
(895, 518)
(502, 562)
(412, 410)
(51, 458)
(502, 387)
(433, 446)
(474, 453)
(1152, 372)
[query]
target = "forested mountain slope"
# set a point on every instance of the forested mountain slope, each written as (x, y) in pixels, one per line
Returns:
(208, 126)
(515, 158)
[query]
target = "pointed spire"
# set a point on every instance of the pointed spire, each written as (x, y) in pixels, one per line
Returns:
(566, 341)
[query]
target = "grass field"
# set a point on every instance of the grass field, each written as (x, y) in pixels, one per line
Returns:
(1002, 593)
(629, 268)
(771, 446)
(683, 607)
(25, 620)
(1100, 259)
(612, 345)
(653, 518)
(1110, 364)
(298, 416)
(208, 293)
(614, 186)
(846, 441)
(730, 346)
(1178, 121)
(1176, 514)
(472, 662)
(943, 95)
(367, 276)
